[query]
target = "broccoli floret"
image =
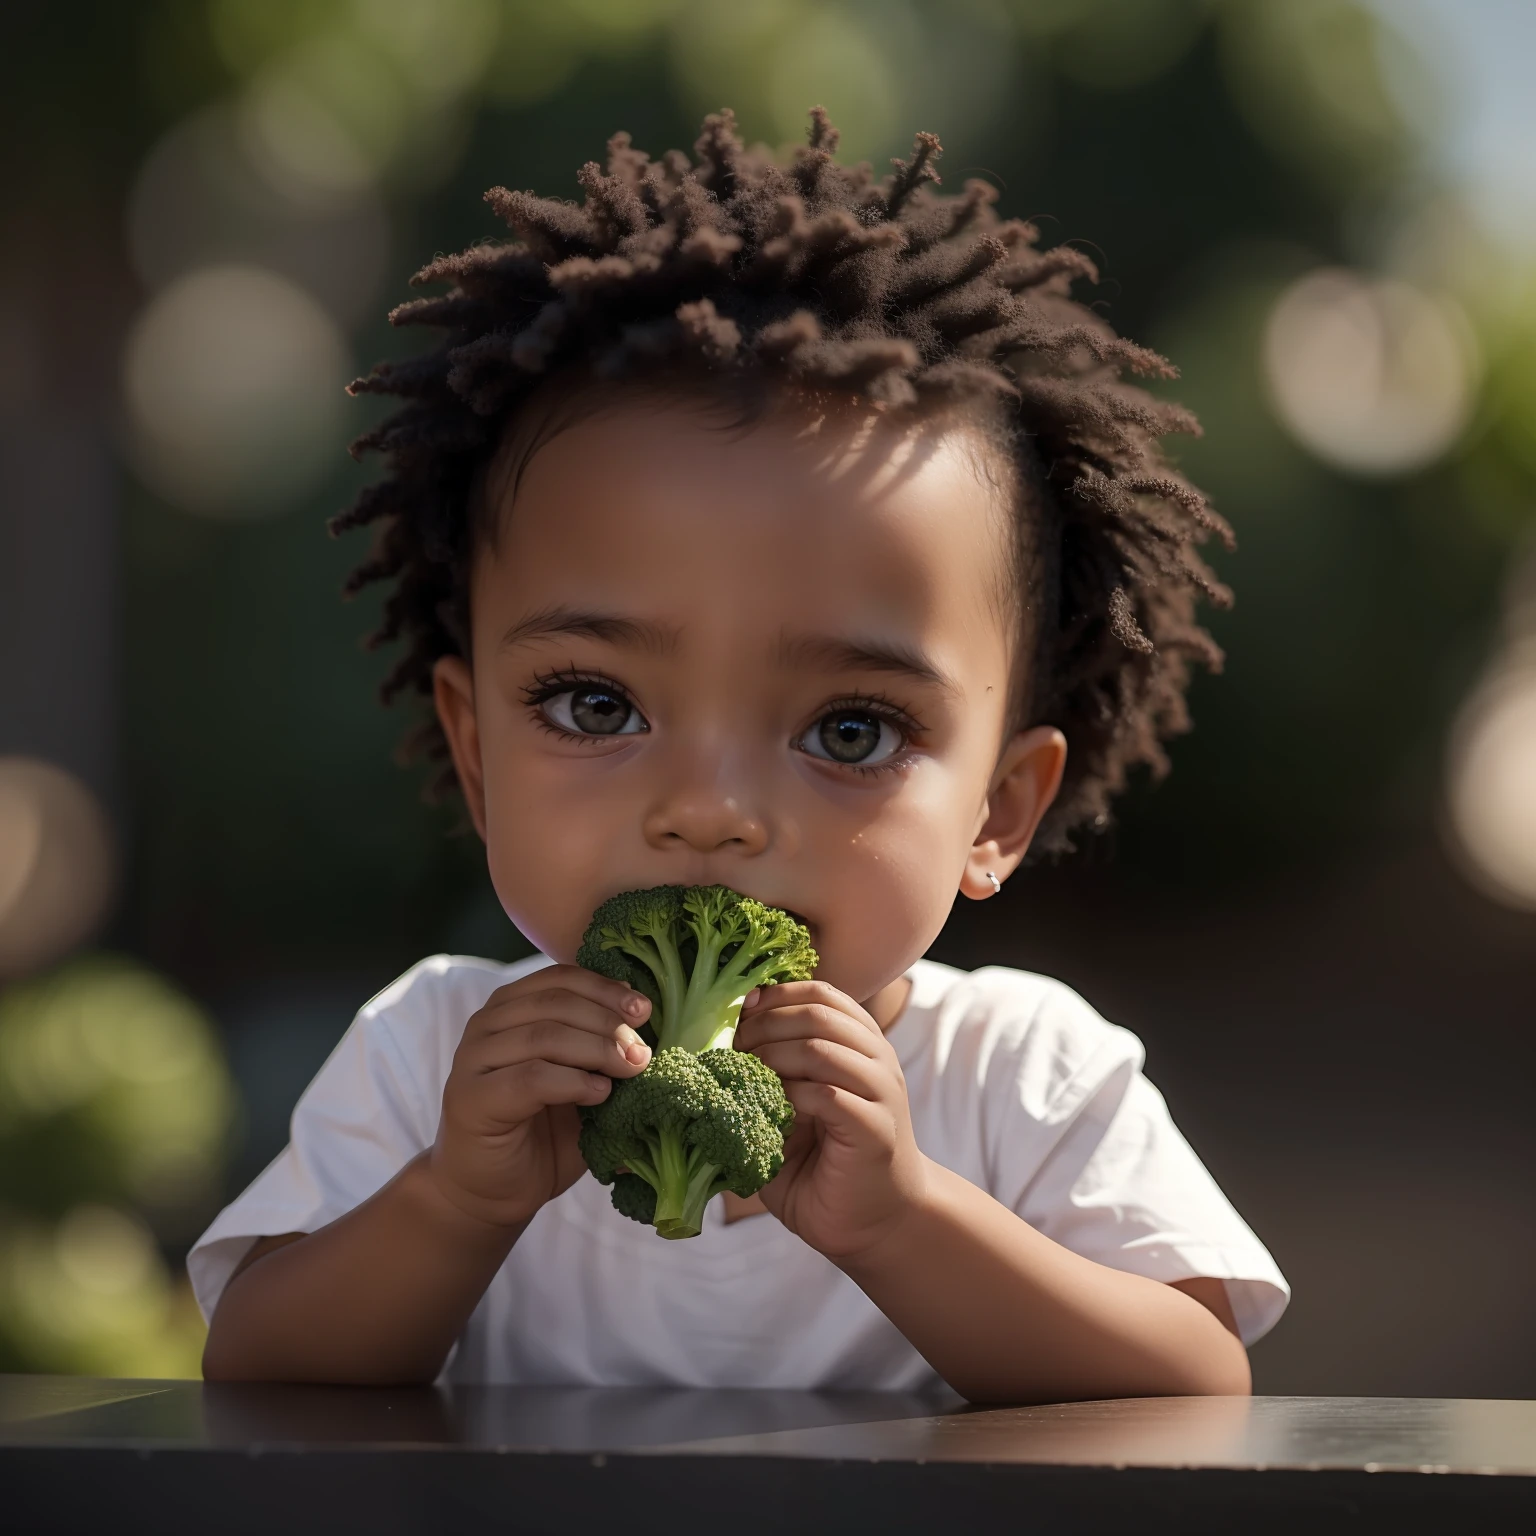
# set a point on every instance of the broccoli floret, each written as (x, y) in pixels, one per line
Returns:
(702, 1117)
(634, 1198)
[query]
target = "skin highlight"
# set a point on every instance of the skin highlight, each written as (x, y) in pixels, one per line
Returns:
(717, 606)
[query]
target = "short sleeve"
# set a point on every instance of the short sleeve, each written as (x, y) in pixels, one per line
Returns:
(1121, 1185)
(372, 1107)
(1025, 1089)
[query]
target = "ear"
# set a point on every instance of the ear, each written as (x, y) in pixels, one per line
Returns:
(1024, 784)
(453, 695)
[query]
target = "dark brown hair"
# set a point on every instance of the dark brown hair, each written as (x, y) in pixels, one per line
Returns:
(819, 276)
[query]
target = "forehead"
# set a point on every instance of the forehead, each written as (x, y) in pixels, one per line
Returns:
(661, 509)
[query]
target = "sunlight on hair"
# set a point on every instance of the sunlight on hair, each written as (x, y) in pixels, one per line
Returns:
(1370, 375)
(232, 378)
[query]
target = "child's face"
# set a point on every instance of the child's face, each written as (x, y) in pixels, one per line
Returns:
(776, 658)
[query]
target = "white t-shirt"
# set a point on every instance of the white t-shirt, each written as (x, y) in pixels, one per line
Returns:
(1015, 1083)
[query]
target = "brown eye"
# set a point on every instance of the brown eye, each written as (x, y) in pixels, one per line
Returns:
(852, 736)
(593, 712)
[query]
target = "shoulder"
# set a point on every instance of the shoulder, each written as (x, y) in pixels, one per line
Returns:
(444, 983)
(1027, 1033)
(421, 1014)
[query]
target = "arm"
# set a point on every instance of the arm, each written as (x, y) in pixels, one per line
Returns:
(1004, 1314)
(380, 1294)
(376, 1297)
(999, 1310)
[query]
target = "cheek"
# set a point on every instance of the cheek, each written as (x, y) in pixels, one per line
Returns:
(889, 887)
(550, 836)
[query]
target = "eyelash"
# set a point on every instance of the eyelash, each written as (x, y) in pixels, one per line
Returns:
(881, 707)
(548, 685)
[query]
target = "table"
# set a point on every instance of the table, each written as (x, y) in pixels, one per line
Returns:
(171, 1457)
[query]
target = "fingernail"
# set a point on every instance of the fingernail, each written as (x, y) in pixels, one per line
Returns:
(639, 1053)
(752, 997)
(636, 1005)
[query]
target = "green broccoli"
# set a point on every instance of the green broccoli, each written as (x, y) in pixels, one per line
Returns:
(703, 1117)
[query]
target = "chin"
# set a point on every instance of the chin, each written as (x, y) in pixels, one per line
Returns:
(544, 936)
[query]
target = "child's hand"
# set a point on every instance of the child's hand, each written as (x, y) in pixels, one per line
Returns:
(541, 1046)
(852, 1168)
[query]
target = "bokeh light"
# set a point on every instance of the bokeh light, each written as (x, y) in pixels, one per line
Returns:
(1111, 45)
(115, 1113)
(1491, 788)
(92, 1294)
(233, 380)
(207, 195)
(1311, 80)
(1493, 785)
(306, 147)
(882, 71)
(56, 864)
(1372, 375)
(131, 1066)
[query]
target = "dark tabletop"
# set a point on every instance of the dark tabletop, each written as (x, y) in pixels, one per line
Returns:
(78, 1454)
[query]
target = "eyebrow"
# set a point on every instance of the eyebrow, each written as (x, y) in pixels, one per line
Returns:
(614, 628)
(824, 653)
(839, 653)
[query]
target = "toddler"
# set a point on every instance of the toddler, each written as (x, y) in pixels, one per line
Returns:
(776, 527)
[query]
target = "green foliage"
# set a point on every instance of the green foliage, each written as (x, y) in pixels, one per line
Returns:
(702, 1117)
(115, 1111)
(112, 1084)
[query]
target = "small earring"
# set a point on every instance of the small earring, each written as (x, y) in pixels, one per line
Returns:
(997, 885)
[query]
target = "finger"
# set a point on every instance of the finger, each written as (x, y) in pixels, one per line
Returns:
(843, 1116)
(790, 994)
(604, 990)
(809, 1021)
(555, 1041)
(824, 1061)
(516, 1094)
(562, 1007)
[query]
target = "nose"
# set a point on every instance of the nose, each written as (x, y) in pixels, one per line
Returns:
(703, 820)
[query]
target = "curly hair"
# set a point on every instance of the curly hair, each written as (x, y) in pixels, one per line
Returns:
(818, 276)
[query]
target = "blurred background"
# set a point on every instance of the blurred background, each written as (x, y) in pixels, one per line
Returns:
(1323, 924)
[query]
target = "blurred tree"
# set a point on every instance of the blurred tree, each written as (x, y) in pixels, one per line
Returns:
(115, 1113)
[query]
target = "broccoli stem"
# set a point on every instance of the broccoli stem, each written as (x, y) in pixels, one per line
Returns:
(660, 957)
(711, 1010)
(707, 1020)
(683, 1181)
(703, 1186)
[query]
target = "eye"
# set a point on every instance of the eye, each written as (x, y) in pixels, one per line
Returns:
(852, 736)
(592, 711)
